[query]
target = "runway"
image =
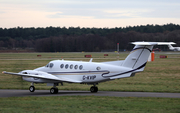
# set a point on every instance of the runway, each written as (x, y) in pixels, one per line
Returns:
(23, 93)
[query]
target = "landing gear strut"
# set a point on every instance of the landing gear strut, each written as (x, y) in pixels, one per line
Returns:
(94, 89)
(54, 89)
(32, 88)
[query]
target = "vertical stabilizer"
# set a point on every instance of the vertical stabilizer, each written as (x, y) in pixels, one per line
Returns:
(171, 47)
(138, 57)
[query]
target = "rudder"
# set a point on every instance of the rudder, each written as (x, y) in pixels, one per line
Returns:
(138, 57)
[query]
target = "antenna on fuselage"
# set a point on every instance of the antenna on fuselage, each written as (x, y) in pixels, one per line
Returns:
(91, 60)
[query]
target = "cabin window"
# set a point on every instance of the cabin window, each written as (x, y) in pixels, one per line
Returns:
(51, 65)
(62, 65)
(66, 66)
(98, 68)
(76, 66)
(71, 66)
(80, 67)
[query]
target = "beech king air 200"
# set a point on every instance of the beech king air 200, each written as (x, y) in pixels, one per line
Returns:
(58, 71)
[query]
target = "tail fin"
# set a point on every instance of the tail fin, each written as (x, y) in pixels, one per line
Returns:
(138, 57)
(170, 47)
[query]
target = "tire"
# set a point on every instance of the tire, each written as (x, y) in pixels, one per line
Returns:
(31, 88)
(93, 89)
(96, 89)
(54, 90)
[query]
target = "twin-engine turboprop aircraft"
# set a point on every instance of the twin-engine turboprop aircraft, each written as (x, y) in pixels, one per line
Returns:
(59, 71)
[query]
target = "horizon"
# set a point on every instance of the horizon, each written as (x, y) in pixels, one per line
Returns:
(92, 27)
(87, 14)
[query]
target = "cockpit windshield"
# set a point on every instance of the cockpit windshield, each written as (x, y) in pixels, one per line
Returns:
(49, 65)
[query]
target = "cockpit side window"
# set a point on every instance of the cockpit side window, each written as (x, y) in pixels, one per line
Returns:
(51, 65)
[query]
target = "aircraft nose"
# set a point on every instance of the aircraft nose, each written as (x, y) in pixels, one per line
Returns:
(39, 69)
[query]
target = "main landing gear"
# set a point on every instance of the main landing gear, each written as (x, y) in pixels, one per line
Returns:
(94, 89)
(53, 90)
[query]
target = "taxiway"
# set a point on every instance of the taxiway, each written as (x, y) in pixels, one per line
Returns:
(22, 93)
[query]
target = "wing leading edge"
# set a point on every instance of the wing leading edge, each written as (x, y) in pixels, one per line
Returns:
(43, 75)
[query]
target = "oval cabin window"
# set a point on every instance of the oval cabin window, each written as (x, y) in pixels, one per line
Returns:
(66, 66)
(71, 66)
(62, 65)
(76, 66)
(80, 67)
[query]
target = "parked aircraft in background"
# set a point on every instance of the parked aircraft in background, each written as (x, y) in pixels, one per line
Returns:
(173, 48)
(58, 71)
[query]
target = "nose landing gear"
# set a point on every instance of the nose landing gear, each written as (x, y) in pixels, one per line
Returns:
(54, 89)
(32, 88)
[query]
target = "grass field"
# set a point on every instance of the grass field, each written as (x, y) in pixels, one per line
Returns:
(162, 75)
(88, 104)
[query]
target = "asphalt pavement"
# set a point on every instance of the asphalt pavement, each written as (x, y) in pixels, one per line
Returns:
(22, 93)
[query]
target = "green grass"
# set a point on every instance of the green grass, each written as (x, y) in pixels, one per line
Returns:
(89, 104)
(162, 75)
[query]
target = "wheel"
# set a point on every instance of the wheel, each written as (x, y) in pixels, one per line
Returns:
(96, 89)
(93, 89)
(31, 88)
(54, 90)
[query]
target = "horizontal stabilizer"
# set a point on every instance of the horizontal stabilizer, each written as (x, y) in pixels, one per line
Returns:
(152, 43)
(139, 55)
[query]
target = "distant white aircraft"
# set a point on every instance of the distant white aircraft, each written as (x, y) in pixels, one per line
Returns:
(173, 48)
(58, 71)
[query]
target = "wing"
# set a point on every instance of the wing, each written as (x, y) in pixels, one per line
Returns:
(43, 75)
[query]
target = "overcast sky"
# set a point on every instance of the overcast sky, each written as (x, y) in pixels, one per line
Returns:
(88, 13)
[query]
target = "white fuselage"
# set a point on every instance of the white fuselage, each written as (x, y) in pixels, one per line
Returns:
(175, 49)
(85, 72)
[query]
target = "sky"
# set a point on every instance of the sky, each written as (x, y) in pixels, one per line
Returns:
(88, 13)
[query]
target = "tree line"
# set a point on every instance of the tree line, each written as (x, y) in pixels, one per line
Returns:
(76, 39)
